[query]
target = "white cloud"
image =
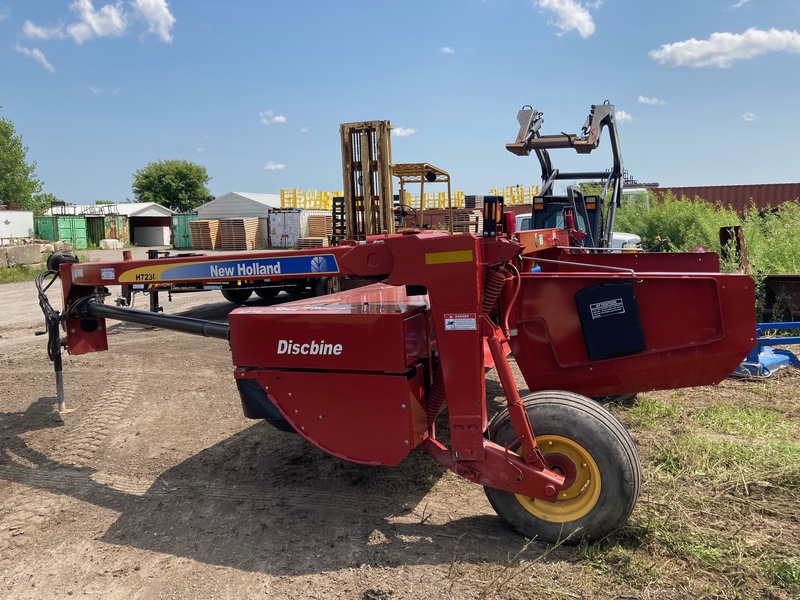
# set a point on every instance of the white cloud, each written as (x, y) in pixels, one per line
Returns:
(5, 13)
(271, 166)
(268, 116)
(650, 101)
(37, 55)
(109, 21)
(741, 3)
(305, 129)
(623, 116)
(748, 116)
(158, 17)
(35, 32)
(403, 131)
(95, 90)
(448, 50)
(571, 15)
(201, 150)
(721, 49)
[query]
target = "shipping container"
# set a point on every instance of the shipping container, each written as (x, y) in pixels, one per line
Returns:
(181, 231)
(108, 227)
(63, 228)
(284, 228)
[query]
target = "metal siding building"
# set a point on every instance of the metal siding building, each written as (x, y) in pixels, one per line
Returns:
(738, 197)
(242, 205)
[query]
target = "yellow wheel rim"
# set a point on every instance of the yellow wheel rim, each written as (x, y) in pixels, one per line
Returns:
(575, 501)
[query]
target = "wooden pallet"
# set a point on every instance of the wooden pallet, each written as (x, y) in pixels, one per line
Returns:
(240, 234)
(312, 242)
(465, 221)
(205, 234)
(320, 226)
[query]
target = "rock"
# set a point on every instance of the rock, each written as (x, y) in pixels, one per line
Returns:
(111, 244)
(48, 247)
(3, 258)
(27, 254)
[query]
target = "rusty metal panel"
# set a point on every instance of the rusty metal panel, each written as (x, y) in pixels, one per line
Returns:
(738, 197)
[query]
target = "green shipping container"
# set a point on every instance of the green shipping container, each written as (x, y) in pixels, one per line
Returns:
(181, 232)
(64, 228)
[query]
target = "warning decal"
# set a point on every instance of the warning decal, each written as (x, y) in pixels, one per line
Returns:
(607, 308)
(460, 321)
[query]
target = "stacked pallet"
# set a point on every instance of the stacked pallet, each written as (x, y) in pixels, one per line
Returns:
(320, 226)
(465, 221)
(240, 234)
(473, 201)
(312, 242)
(205, 234)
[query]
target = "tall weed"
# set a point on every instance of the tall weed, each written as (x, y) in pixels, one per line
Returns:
(770, 236)
(686, 223)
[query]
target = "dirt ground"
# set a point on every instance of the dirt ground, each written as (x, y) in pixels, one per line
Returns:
(156, 486)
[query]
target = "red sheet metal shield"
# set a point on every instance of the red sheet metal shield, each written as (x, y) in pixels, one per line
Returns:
(696, 330)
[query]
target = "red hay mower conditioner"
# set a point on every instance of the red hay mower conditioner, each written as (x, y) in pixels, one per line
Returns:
(363, 374)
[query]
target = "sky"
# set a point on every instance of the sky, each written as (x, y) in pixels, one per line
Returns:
(706, 92)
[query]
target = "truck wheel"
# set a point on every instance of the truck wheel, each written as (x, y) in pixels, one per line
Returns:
(295, 290)
(267, 293)
(236, 296)
(588, 445)
(319, 287)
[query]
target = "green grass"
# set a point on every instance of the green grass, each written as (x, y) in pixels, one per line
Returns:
(20, 273)
(746, 421)
(29, 272)
(648, 411)
(729, 459)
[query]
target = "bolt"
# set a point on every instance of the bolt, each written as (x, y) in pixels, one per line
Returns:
(403, 406)
(405, 442)
(289, 394)
(549, 443)
(302, 429)
(322, 417)
(72, 330)
(296, 411)
(266, 388)
(584, 465)
(550, 490)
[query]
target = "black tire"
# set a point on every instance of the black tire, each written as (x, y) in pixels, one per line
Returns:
(319, 287)
(267, 293)
(295, 290)
(606, 479)
(237, 296)
(58, 258)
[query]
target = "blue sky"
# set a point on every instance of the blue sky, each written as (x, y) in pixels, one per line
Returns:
(707, 92)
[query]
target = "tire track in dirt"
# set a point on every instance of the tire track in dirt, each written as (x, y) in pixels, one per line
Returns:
(85, 438)
(85, 435)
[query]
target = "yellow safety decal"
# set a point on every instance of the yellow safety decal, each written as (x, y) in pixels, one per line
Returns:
(446, 258)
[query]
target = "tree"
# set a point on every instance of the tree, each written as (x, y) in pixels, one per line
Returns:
(18, 182)
(172, 183)
(41, 202)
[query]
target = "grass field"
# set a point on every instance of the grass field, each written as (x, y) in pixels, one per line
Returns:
(719, 515)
